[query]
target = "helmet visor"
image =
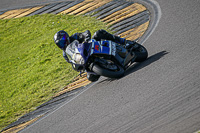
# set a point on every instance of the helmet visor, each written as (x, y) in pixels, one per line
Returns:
(62, 42)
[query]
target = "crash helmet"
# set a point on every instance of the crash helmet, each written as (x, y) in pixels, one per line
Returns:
(61, 39)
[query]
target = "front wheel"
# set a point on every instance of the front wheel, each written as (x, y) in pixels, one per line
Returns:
(92, 77)
(141, 53)
(111, 73)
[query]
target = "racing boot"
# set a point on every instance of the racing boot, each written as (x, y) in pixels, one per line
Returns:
(131, 44)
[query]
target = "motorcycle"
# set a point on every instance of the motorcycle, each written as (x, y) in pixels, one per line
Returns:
(106, 58)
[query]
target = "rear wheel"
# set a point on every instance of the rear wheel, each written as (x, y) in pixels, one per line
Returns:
(141, 53)
(108, 70)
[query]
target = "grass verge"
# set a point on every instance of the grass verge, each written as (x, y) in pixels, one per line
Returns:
(32, 68)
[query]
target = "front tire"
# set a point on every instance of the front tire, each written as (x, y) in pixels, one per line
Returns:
(92, 77)
(98, 69)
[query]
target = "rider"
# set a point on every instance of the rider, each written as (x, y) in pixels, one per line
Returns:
(67, 43)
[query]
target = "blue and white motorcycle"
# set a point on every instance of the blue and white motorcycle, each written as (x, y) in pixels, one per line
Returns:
(106, 58)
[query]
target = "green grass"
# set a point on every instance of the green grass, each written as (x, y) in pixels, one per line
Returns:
(32, 68)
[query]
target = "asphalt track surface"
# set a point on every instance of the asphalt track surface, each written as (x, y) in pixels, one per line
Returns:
(160, 95)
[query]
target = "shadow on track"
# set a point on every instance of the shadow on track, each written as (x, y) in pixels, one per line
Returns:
(148, 61)
(137, 66)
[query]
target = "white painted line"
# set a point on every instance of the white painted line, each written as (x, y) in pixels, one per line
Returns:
(157, 13)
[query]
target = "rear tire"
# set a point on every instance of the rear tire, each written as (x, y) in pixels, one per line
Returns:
(141, 53)
(108, 73)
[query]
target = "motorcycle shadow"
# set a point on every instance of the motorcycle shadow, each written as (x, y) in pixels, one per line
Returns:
(140, 65)
(137, 66)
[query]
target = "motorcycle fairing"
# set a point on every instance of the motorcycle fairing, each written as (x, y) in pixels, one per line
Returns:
(84, 49)
(103, 47)
(96, 47)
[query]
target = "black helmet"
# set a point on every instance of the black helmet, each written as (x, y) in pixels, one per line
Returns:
(61, 38)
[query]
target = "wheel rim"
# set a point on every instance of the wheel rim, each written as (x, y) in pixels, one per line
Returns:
(111, 67)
